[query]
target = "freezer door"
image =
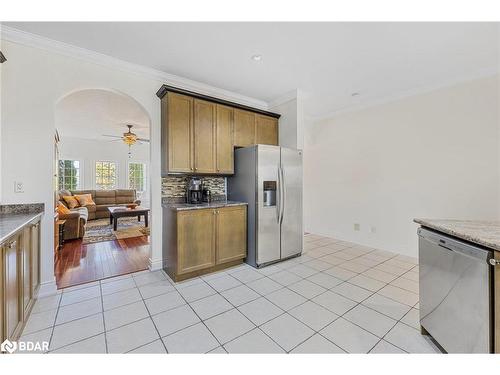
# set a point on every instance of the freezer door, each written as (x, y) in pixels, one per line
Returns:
(267, 223)
(291, 225)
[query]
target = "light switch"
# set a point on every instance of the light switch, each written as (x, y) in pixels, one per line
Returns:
(18, 187)
(356, 226)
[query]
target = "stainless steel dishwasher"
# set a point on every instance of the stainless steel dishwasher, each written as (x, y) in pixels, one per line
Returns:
(456, 288)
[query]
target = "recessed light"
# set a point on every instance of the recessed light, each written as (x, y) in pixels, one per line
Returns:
(257, 57)
(355, 94)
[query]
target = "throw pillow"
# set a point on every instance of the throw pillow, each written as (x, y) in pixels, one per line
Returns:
(84, 199)
(62, 209)
(71, 201)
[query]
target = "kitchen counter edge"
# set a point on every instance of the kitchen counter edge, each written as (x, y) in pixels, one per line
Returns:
(484, 233)
(187, 206)
(11, 223)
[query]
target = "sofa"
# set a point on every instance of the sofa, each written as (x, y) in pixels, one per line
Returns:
(78, 217)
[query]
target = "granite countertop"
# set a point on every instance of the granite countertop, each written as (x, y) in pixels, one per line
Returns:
(11, 223)
(188, 206)
(485, 233)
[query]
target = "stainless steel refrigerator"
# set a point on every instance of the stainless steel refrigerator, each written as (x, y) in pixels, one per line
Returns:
(269, 179)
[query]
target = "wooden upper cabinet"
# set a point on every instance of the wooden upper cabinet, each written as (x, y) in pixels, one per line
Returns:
(177, 110)
(204, 136)
(224, 140)
(231, 234)
(195, 240)
(266, 130)
(244, 128)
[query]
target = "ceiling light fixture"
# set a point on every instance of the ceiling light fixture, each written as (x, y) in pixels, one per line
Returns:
(257, 57)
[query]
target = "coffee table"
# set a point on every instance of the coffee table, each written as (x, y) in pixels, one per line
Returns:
(120, 211)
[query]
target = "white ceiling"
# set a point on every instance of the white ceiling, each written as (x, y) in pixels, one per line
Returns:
(328, 61)
(90, 113)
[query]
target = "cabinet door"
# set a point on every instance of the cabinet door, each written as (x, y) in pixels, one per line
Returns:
(2, 290)
(35, 258)
(266, 129)
(244, 128)
(224, 135)
(204, 136)
(196, 240)
(231, 233)
(496, 299)
(177, 114)
(26, 267)
(13, 287)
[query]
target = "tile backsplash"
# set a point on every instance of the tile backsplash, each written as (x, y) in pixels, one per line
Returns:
(175, 186)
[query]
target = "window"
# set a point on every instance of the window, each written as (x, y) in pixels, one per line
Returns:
(105, 175)
(69, 174)
(137, 176)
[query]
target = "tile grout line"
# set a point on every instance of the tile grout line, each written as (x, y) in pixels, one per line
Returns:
(149, 316)
(103, 319)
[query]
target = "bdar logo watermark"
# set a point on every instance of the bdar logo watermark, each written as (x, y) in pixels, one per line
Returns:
(8, 346)
(24, 346)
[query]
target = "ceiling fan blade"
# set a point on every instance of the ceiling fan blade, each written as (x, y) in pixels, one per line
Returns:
(143, 140)
(114, 140)
(112, 136)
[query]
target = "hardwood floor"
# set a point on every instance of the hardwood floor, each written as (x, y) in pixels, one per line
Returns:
(77, 264)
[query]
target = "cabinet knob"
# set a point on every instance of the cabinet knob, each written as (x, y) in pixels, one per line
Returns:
(494, 262)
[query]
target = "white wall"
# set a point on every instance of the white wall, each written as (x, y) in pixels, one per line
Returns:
(33, 81)
(291, 122)
(88, 151)
(433, 155)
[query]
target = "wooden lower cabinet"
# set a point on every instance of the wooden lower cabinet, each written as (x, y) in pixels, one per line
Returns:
(13, 286)
(231, 234)
(496, 301)
(203, 240)
(196, 240)
(19, 279)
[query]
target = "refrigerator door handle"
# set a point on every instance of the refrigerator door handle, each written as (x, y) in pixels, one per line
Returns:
(282, 184)
(278, 200)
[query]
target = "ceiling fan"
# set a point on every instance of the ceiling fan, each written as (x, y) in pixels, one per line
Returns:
(128, 138)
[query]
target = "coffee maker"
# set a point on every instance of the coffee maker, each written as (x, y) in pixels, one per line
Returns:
(195, 191)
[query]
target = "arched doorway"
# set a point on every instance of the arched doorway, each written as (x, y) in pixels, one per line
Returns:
(102, 154)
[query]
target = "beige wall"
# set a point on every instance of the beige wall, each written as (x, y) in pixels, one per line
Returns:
(430, 155)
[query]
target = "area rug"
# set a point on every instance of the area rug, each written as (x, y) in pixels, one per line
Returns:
(101, 230)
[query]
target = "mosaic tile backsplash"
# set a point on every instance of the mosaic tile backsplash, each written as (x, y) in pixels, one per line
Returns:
(175, 186)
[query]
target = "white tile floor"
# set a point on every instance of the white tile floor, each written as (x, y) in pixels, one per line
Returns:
(337, 297)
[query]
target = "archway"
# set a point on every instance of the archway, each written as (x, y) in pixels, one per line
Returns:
(103, 150)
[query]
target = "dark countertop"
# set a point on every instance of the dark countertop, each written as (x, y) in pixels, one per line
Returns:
(484, 233)
(11, 223)
(187, 206)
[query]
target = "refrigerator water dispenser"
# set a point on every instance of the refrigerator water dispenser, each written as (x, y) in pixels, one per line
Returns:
(269, 193)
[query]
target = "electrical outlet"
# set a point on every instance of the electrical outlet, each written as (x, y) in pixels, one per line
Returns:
(18, 187)
(373, 229)
(356, 226)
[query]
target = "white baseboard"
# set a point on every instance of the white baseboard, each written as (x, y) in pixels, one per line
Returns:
(48, 288)
(155, 265)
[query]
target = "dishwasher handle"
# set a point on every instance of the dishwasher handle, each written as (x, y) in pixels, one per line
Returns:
(456, 245)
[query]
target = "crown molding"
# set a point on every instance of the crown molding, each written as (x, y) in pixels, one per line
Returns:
(50, 45)
(374, 102)
(291, 95)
